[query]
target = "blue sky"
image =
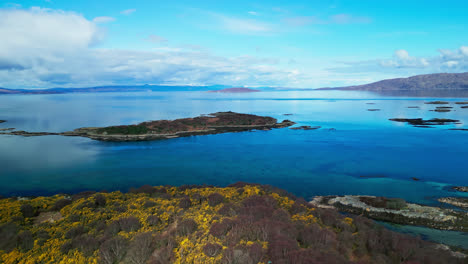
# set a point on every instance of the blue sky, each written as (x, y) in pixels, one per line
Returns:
(308, 44)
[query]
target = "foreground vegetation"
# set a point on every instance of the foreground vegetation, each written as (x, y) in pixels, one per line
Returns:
(197, 224)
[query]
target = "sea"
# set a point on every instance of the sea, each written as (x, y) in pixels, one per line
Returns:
(356, 151)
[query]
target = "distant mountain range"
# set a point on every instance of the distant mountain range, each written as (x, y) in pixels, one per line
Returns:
(437, 84)
(107, 89)
(235, 90)
(429, 82)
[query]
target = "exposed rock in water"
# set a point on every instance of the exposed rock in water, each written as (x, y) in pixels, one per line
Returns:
(441, 110)
(373, 110)
(415, 179)
(460, 129)
(460, 188)
(305, 127)
(437, 102)
(216, 123)
(2, 121)
(462, 103)
(370, 103)
(455, 201)
(428, 122)
(397, 211)
(464, 106)
(413, 107)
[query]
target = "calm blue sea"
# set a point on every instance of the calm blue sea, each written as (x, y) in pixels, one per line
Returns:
(306, 163)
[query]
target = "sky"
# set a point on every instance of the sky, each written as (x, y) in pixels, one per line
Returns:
(296, 43)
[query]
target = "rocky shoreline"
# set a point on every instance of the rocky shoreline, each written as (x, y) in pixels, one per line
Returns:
(396, 211)
(455, 201)
(461, 188)
(216, 123)
(305, 128)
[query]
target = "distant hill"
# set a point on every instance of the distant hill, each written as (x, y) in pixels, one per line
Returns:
(439, 82)
(107, 89)
(235, 90)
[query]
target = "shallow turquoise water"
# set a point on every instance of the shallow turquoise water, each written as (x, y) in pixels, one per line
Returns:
(307, 163)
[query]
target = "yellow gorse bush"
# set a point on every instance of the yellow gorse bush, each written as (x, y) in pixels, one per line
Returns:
(189, 249)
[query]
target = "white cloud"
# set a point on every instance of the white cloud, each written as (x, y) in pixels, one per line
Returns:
(128, 11)
(31, 32)
(103, 19)
(402, 54)
(50, 48)
(253, 13)
(403, 64)
(464, 50)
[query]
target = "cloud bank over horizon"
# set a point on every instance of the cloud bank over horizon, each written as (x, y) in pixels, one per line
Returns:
(44, 48)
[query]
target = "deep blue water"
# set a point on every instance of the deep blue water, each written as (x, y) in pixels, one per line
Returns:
(307, 163)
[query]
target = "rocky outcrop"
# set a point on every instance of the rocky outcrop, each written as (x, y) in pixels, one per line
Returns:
(305, 127)
(48, 217)
(396, 211)
(455, 201)
(2, 121)
(461, 188)
(437, 102)
(423, 122)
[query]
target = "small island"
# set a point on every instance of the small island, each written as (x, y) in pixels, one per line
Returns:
(437, 102)
(2, 121)
(305, 128)
(419, 122)
(216, 123)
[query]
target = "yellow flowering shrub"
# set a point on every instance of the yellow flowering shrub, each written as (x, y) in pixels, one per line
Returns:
(238, 224)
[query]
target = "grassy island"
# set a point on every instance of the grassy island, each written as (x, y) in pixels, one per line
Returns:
(198, 224)
(216, 123)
